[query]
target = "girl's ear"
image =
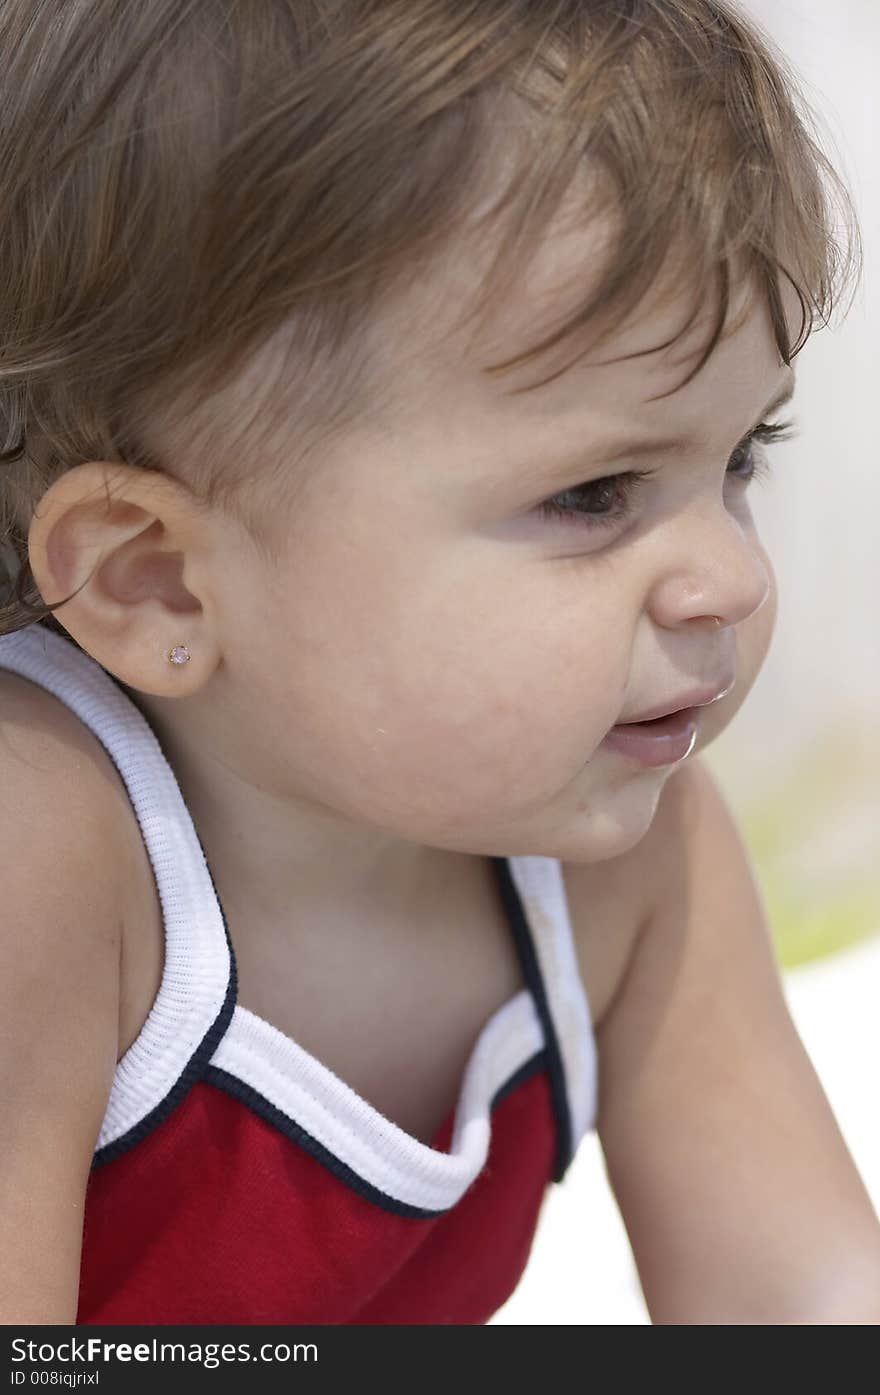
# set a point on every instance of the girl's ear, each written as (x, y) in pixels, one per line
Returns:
(130, 554)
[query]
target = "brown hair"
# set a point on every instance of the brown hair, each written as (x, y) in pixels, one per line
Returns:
(186, 184)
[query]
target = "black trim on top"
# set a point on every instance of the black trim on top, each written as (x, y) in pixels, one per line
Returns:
(195, 1068)
(528, 957)
(240, 1090)
(531, 1067)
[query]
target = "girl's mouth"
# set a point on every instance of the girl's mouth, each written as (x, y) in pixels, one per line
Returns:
(664, 741)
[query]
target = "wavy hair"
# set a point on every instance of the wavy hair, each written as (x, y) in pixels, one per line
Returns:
(187, 185)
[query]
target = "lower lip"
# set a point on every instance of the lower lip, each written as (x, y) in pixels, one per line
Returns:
(663, 742)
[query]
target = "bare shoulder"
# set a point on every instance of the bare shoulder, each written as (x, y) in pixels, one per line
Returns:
(608, 903)
(611, 902)
(40, 731)
(63, 789)
(60, 945)
(697, 911)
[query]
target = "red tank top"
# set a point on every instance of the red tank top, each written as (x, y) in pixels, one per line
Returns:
(237, 1180)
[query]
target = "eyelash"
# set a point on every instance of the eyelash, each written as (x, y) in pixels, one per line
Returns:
(628, 483)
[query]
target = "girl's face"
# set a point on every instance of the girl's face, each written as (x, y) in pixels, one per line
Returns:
(442, 658)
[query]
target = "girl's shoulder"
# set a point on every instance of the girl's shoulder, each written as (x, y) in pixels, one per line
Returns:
(61, 880)
(63, 799)
(610, 903)
(41, 732)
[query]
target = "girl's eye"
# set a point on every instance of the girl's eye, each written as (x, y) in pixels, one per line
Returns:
(605, 502)
(599, 504)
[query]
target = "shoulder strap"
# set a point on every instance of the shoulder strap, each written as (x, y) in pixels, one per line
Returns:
(533, 894)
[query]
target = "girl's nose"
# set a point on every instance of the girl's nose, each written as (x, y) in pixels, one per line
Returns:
(715, 570)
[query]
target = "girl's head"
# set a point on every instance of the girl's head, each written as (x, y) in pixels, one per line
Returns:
(287, 296)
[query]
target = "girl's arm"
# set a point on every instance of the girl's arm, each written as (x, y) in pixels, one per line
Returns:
(740, 1199)
(60, 945)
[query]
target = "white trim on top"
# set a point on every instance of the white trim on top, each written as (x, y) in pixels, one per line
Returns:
(197, 968)
(197, 963)
(355, 1132)
(541, 887)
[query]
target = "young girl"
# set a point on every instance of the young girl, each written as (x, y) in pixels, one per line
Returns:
(357, 858)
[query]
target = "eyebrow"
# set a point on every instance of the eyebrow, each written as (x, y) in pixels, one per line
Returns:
(611, 450)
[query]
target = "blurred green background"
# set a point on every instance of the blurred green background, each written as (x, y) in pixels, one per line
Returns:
(814, 835)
